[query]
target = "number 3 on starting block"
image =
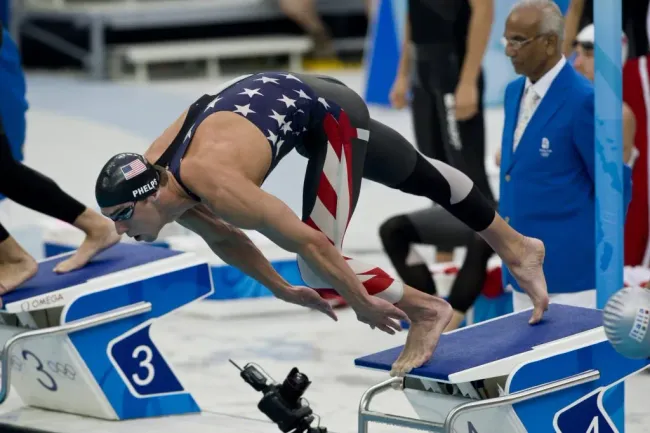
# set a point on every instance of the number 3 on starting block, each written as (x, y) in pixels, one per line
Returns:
(141, 365)
(130, 373)
(111, 368)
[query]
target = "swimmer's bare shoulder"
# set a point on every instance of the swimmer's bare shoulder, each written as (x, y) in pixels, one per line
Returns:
(228, 141)
(224, 139)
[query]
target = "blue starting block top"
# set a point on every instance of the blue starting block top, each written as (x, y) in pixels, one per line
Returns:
(493, 341)
(117, 258)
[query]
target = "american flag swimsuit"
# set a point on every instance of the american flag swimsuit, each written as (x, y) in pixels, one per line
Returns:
(287, 111)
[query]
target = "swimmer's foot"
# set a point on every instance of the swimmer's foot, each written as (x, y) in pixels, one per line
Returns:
(16, 265)
(529, 274)
(100, 234)
(429, 317)
(524, 258)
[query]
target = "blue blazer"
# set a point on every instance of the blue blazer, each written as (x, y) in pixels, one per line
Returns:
(547, 185)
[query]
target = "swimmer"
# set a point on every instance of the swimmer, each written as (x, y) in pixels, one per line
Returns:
(206, 170)
(32, 189)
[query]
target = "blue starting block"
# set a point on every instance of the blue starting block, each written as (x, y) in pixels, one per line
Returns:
(506, 376)
(80, 342)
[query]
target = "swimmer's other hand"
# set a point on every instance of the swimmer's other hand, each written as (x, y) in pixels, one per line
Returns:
(380, 314)
(307, 297)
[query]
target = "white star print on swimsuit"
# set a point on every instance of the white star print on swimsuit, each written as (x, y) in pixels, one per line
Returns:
(279, 104)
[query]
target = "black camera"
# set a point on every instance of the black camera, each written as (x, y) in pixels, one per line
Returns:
(283, 403)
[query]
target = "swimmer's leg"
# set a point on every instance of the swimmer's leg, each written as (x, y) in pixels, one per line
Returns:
(470, 279)
(391, 160)
(332, 185)
(40, 193)
(394, 162)
(331, 179)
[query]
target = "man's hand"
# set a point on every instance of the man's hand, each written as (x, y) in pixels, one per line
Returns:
(398, 93)
(307, 297)
(466, 100)
(380, 314)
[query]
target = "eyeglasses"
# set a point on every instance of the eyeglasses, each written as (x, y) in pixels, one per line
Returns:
(124, 213)
(517, 44)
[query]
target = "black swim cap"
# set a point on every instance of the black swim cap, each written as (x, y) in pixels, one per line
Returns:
(126, 177)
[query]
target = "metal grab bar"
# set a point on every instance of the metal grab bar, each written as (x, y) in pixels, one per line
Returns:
(519, 396)
(76, 325)
(366, 415)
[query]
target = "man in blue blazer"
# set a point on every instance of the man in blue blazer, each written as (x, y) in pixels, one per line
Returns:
(547, 182)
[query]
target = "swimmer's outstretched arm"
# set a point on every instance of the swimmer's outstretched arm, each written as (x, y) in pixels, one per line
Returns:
(235, 248)
(240, 202)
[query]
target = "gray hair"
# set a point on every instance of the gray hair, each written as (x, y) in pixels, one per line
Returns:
(552, 18)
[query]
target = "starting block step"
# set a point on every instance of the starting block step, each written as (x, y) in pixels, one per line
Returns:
(561, 375)
(80, 342)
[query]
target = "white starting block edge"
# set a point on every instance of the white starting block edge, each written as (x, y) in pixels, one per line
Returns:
(212, 50)
(63, 297)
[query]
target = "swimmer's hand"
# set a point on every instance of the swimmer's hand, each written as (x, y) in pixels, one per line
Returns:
(307, 297)
(381, 314)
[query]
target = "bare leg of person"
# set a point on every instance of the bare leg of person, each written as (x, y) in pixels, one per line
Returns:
(444, 256)
(429, 317)
(38, 192)
(524, 257)
(456, 319)
(304, 13)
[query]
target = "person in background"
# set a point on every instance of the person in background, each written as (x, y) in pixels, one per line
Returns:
(305, 14)
(580, 16)
(634, 14)
(584, 63)
(32, 189)
(448, 118)
(637, 223)
(547, 178)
